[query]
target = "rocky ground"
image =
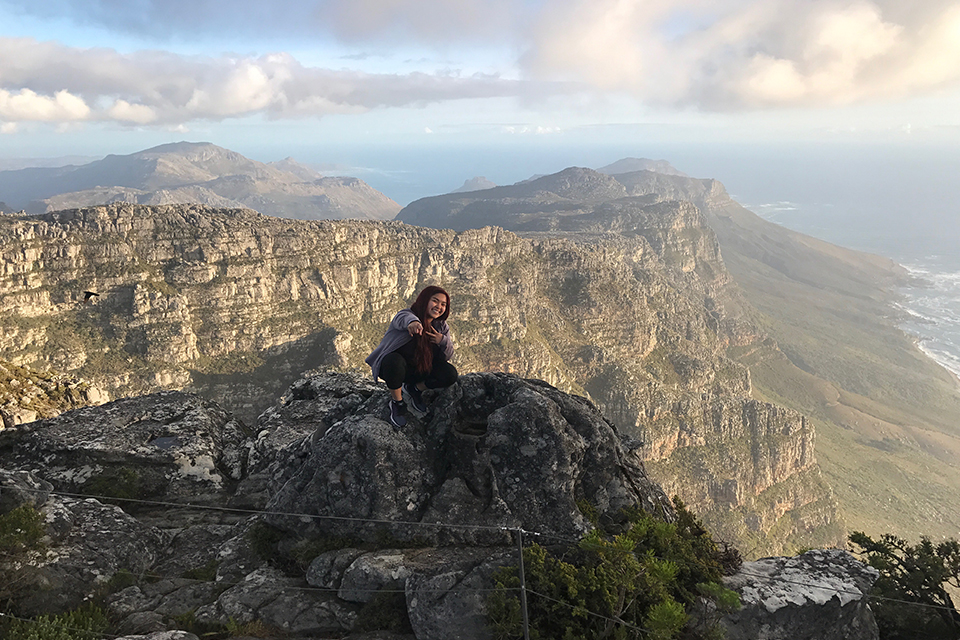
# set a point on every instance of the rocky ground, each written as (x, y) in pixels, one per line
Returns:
(323, 521)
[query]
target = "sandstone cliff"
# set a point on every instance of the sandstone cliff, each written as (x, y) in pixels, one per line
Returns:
(887, 414)
(236, 305)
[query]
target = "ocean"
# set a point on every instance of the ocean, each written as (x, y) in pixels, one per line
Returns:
(900, 203)
(898, 199)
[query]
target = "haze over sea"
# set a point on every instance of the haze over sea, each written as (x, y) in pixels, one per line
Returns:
(896, 200)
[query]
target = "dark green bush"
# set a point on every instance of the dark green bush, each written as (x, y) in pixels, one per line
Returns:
(122, 483)
(21, 529)
(206, 573)
(641, 583)
(913, 601)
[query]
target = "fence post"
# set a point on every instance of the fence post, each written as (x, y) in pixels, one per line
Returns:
(523, 586)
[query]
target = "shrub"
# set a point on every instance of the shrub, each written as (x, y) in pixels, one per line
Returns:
(641, 583)
(86, 623)
(206, 573)
(21, 529)
(912, 588)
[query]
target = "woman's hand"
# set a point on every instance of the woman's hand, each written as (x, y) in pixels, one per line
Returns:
(434, 335)
(415, 328)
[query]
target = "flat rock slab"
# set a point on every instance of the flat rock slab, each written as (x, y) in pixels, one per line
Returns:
(165, 446)
(818, 595)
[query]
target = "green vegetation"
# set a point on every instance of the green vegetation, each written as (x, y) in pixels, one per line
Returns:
(122, 483)
(886, 416)
(641, 583)
(271, 544)
(913, 598)
(21, 530)
(86, 623)
(120, 580)
(206, 573)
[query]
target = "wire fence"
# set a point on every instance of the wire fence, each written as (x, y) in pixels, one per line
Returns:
(539, 535)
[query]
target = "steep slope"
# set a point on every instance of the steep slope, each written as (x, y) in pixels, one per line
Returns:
(236, 305)
(886, 414)
(202, 173)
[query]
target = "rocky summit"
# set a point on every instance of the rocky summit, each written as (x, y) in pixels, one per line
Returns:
(183, 521)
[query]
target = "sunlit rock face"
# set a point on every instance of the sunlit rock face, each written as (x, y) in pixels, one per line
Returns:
(626, 302)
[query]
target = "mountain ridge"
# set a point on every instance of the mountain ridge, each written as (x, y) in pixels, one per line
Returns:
(201, 172)
(834, 350)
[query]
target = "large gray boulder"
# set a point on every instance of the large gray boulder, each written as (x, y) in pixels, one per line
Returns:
(493, 452)
(286, 430)
(86, 544)
(818, 595)
(418, 518)
(166, 446)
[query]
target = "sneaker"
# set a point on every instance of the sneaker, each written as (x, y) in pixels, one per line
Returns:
(416, 397)
(397, 413)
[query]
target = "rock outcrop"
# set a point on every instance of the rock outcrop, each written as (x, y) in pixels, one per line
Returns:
(360, 519)
(27, 394)
(495, 452)
(169, 447)
(819, 595)
(87, 544)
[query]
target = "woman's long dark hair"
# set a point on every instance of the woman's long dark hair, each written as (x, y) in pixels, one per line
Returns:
(423, 356)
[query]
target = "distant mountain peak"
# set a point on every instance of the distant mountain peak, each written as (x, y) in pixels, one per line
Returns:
(477, 183)
(197, 172)
(629, 165)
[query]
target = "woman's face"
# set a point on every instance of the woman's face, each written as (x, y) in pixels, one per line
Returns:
(436, 306)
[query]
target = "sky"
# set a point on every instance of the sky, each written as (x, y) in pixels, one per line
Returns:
(115, 76)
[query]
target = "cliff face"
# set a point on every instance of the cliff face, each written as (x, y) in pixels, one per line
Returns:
(236, 305)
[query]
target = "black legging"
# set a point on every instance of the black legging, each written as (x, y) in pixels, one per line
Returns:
(395, 370)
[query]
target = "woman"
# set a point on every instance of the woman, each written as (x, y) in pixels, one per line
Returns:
(415, 352)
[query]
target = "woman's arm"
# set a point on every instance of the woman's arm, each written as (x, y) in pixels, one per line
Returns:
(446, 342)
(403, 319)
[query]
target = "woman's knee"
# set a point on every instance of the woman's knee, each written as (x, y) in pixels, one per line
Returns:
(393, 370)
(443, 375)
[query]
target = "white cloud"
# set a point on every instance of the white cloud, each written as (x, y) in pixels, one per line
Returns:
(123, 111)
(67, 83)
(27, 105)
(710, 54)
(8, 127)
(750, 53)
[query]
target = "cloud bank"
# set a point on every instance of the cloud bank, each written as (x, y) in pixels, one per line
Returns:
(739, 54)
(42, 81)
(715, 55)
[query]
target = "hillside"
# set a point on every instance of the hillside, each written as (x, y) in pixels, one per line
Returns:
(202, 173)
(886, 415)
(235, 305)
